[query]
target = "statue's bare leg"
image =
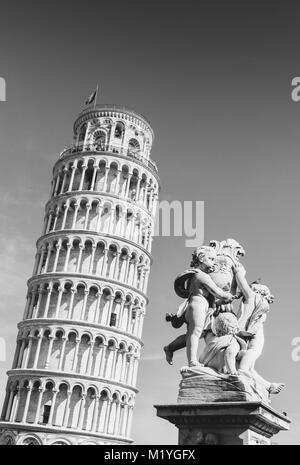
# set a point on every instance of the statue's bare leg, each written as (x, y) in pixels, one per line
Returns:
(247, 364)
(195, 316)
(230, 357)
(254, 351)
(248, 360)
(177, 344)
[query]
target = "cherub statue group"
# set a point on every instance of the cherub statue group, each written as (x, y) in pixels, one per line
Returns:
(233, 334)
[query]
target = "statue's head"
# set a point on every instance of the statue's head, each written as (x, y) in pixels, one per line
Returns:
(225, 323)
(262, 290)
(204, 258)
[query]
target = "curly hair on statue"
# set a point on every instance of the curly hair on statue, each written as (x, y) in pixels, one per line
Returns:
(262, 289)
(199, 254)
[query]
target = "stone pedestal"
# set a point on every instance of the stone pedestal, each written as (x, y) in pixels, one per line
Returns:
(217, 409)
(224, 423)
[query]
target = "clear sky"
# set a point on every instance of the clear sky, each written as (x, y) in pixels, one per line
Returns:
(214, 79)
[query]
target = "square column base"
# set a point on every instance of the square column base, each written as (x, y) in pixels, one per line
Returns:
(224, 423)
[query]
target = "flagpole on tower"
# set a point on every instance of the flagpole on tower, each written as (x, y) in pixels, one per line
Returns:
(93, 98)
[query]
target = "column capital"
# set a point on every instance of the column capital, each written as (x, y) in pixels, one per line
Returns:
(112, 348)
(136, 306)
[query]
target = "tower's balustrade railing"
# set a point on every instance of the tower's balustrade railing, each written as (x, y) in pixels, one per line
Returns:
(110, 149)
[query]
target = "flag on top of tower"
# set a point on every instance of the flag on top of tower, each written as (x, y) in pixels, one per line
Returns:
(92, 97)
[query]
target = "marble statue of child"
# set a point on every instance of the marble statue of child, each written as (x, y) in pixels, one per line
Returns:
(251, 315)
(196, 308)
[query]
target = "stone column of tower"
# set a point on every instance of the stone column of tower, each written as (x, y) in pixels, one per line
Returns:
(73, 379)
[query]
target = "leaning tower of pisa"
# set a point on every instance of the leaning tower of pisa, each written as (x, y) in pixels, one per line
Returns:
(73, 379)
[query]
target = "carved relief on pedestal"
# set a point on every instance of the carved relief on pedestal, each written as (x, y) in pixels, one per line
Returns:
(195, 437)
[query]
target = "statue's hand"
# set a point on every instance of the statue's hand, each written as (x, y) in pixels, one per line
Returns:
(229, 298)
(237, 267)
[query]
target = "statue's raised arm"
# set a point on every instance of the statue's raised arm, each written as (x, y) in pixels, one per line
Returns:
(204, 281)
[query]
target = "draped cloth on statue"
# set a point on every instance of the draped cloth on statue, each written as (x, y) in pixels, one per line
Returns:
(181, 286)
(259, 310)
(182, 283)
(218, 344)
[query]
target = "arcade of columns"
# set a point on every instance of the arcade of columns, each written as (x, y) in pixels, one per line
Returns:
(73, 379)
